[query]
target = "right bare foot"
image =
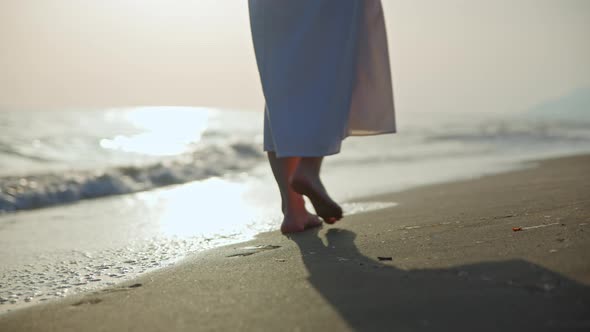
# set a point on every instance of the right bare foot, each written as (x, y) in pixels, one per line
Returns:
(299, 223)
(324, 206)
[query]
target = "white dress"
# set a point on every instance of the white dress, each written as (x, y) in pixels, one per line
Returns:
(324, 68)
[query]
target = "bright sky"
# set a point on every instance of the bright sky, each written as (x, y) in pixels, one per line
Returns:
(480, 55)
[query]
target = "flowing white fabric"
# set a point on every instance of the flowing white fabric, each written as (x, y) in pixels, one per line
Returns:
(325, 73)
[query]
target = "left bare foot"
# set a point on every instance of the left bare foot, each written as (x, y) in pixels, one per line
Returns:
(299, 223)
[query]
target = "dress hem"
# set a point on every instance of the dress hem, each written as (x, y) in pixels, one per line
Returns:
(331, 153)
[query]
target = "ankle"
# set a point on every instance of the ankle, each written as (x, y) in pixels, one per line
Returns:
(296, 209)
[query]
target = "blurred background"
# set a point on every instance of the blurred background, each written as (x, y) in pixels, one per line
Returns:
(130, 131)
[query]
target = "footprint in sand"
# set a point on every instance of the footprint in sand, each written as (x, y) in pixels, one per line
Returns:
(95, 300)
(247, 251)
(87, 301)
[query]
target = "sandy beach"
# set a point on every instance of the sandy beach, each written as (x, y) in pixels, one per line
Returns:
(507, 252)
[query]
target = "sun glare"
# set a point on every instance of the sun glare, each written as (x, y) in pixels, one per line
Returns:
(163, 131)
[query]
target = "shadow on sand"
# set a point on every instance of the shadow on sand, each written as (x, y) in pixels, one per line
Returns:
(510, 295)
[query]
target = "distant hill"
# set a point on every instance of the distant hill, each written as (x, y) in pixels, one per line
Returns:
(572, 106)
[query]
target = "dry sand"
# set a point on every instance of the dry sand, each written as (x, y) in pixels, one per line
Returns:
(456, 265)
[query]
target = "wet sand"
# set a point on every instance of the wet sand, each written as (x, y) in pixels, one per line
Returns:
(508, 252)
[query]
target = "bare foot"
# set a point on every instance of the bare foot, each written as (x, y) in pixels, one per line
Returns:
(296, 224)
(324, 206)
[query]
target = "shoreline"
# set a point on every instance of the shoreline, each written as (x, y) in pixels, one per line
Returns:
(43, 246)
(426, 234)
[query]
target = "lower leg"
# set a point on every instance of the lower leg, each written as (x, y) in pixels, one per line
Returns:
(310, 167)
(283, 169)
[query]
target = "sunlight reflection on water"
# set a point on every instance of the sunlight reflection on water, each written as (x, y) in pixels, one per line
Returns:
(164, 131)
(209, 208)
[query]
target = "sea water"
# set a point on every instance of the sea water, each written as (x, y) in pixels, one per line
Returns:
(92, 197)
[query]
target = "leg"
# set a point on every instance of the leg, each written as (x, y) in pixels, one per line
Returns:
(296, 217)
(306, 181)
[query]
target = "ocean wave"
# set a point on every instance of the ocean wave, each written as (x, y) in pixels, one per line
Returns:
(8, 150)
(537, 132)
(42, 190)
